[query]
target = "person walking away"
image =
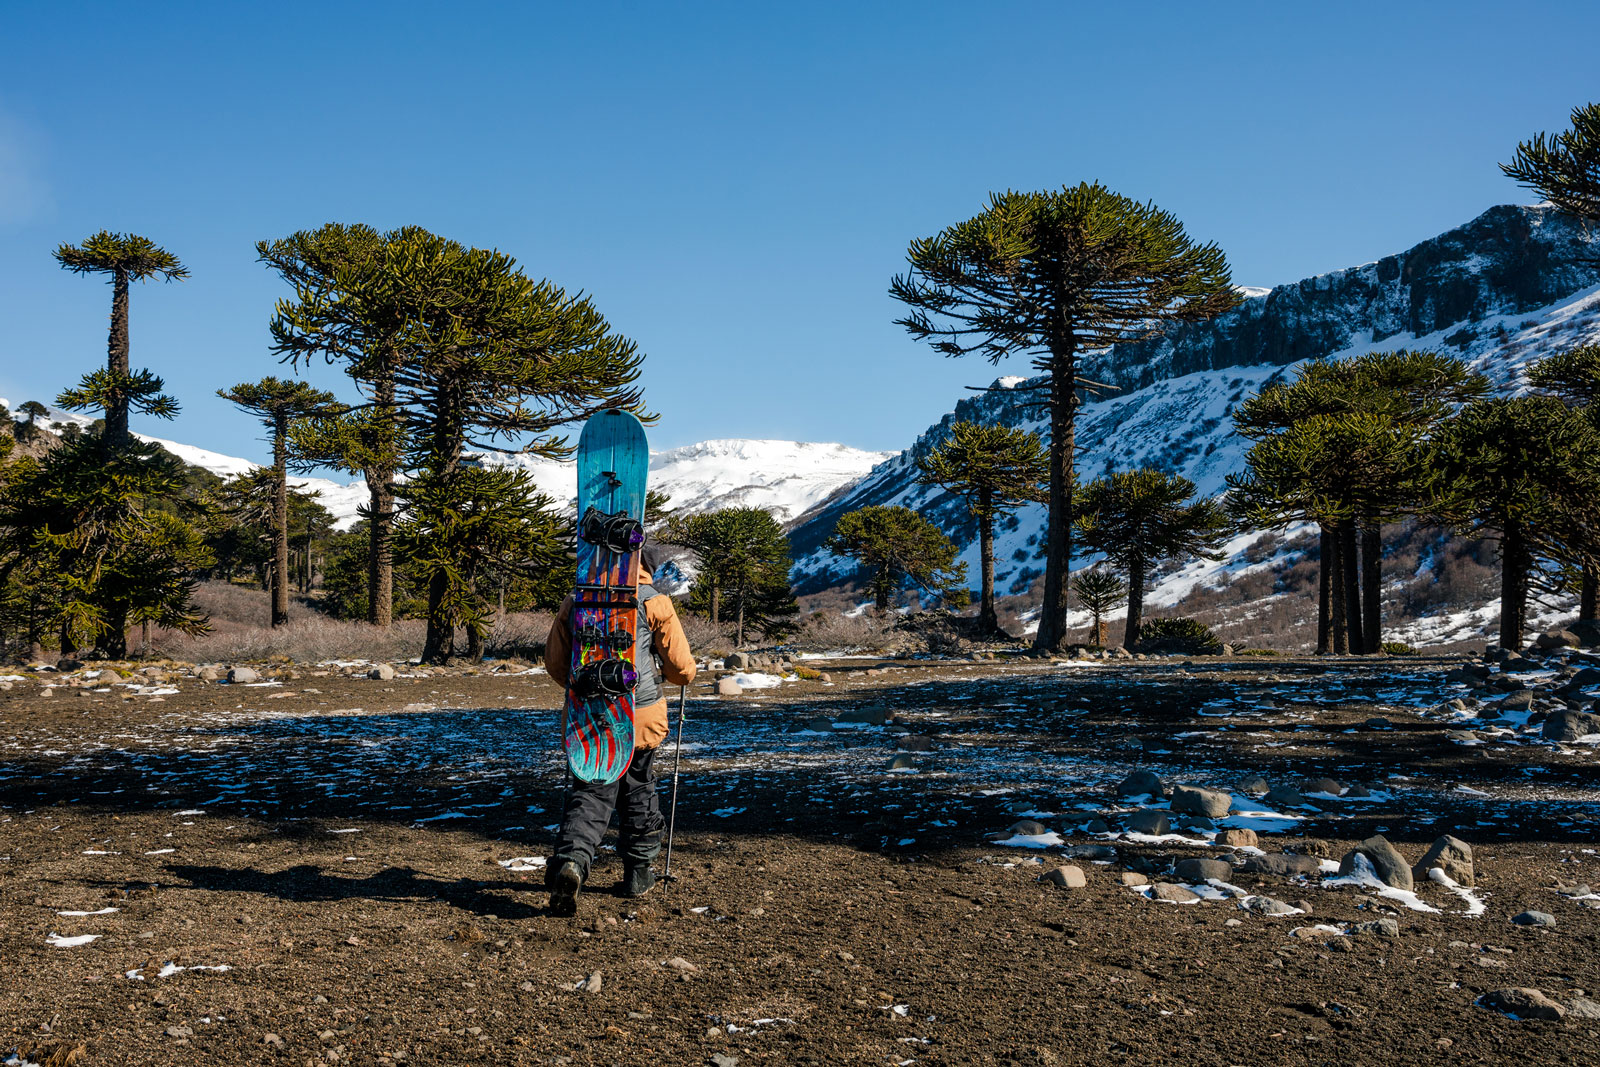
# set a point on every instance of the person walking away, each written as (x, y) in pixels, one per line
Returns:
(662, 657)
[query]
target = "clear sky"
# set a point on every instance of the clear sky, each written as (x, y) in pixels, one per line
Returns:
(734, 184)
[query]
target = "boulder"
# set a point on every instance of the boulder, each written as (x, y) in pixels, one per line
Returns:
(243, 676)
(871, 715)
(1192, 800)
(209, 673)
(381, 673)
(1202, 869)
(1451, 855)
(1096, 826)
(1282, 864)
(915, 743)
(1324, 785)
(1587, 633)
(1268, 906)
(1089, 852)
(1142, 783)
(1522, 1003)
(1285, 796)
(1027, 828)
(727, 687)
(1521, 665)
(901, 762)
(1133, 878)
(819, 725)
(1534, 918)
(1378, 722)
(1149, 821)
(1386, 862)
(1238, 838)
(1376, 928)
(1066, 877)
(1569, 725)
(1254, 786)
(67, 663)
(1553, 639)
(1521, 700)
(739, 661)
(1176, 894)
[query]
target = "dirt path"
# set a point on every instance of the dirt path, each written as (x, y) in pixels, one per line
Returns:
(350, 856)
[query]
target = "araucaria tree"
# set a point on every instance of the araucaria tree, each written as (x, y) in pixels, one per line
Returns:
(895, 545)
(1574, 377)
(1564, 167)
(1525, 471)
(1142, 518)
(742, 568)
(1054, 275)
(1099, 591)
(125, 257)
(995, 469)
(278, 403)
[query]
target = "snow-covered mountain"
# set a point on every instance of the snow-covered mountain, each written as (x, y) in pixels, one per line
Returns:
(1513, 285)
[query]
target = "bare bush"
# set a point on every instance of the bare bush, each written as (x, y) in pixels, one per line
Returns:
(706, 638)
(305, 640)
(830, 632)
(519, 635)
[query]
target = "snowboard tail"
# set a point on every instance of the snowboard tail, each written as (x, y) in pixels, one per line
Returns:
(613, 462)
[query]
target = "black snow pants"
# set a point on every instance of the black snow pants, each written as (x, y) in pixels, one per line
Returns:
(588, 812)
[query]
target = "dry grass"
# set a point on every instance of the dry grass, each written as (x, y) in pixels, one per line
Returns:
(829, 632)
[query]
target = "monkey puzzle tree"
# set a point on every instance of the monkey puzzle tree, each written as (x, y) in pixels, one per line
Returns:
(1564, 167)
(1573, 376)
(1056, 274)
(125, 257)
(995, 469)
(1525, 471)
(1098, 591)
(895, 545)
(28, 429)
(1140, 518)
(743, 565)
(277, 403)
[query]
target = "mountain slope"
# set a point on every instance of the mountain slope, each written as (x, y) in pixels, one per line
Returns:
(1509, 287)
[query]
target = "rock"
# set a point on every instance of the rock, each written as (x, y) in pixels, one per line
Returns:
(1534, 918)
(1132, 878)
(1237, 838)
(1066, 877)
(1027, 828)
(592, 984)
(67, 663)
(1467, 673)
(209, 673)
(1194, 823)
(179, 1032)
(1569, 725)
(1148, 821)
(1522, 1003)
(1282, 864)
(1521, 700)
(681, 965)
(1451, 855)
(1283, 796)
(1583, 1008)
(1193, 800)
(1177, 894)
(1587, 633)
(1386, 861)
(381, 673)
(1356, 791)
(1378, 722)
(272, 1040)
(1324, 785)
(871, 715)
(901, 762)
(739, 661)
(1096, 826)
(1553, 639)
(1089, 852)
(243, 676)
(722, 1059)
(1268, 906)
(819, 725)
(1254, 786)
(1520, 665)
(1201, 869)
(727, 687)
(1377, 928)
(1142, 783)
(915, 743)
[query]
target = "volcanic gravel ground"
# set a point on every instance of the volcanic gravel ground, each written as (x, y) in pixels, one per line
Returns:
(347, 871)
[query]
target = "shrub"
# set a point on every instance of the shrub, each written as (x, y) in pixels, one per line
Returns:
(1397, 648)
(1178, 636)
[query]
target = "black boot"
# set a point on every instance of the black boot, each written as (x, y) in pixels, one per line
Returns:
(637, 856)
(564, 881)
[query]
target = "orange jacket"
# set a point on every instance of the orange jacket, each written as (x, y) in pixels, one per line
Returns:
(672, 650)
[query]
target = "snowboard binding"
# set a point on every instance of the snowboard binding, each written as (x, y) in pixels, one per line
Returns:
(616, 641)
(620, 533)
(605, 677)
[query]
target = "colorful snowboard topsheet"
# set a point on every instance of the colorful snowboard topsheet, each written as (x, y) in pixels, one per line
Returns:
(613, 462)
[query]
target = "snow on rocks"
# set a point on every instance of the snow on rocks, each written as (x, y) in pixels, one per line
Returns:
(1383, 858)
(1362, 875)
(1451, 855)
(523, 863)
(55, 940)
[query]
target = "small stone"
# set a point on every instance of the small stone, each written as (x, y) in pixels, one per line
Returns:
(1386, 862)
(901, 762)
(727, 687)
(1148, 821)
(1518, 701)
(1089, 852)
(1027, 828)
(722, 1059)
(179, 1032)
(1451, 855)
(739, 661)
(272, 1040)
(1522, 1003)
(1569, 725)
(1267, 906)
(1169, 891)
(1324, 785)
(1254, 786)
(1193, 800)
(1197, 870)
(1534, 918)
(381, 673)
(681, 965)
(915, 743)
(1283, 864)
(243, 676)
(1066, 877)
(1142, 783)
(526, 987)
(593, 982)
(1286, 797)
(1377, 928)
(1583, 1008)
(1378, 722)
(1096, 826)
(1237, 839)
(1133, 878)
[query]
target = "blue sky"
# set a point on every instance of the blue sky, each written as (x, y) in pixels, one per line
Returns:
(734, 184)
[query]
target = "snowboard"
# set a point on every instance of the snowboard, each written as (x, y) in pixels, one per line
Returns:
(613, 462)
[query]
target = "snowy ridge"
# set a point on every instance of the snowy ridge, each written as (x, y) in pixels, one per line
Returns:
(1182, 422)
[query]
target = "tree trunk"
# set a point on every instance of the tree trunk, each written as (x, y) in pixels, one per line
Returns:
(716, 605)
(116, 432)
(1334, 563)
(439, 645)
(738, 639)
(380, 482)
(1058, 537)
(68, 645)
(988, 620)
(1130, 635)
(881, 588)
(1350, 571)
(1325, 570)
(114, 643)
(280, 518)
(1513, 588)
(1372, 585)
(1588, 595)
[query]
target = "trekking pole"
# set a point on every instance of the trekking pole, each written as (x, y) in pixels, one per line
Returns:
(677, 761)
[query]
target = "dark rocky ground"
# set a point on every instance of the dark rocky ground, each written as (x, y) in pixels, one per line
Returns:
(341, 846)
